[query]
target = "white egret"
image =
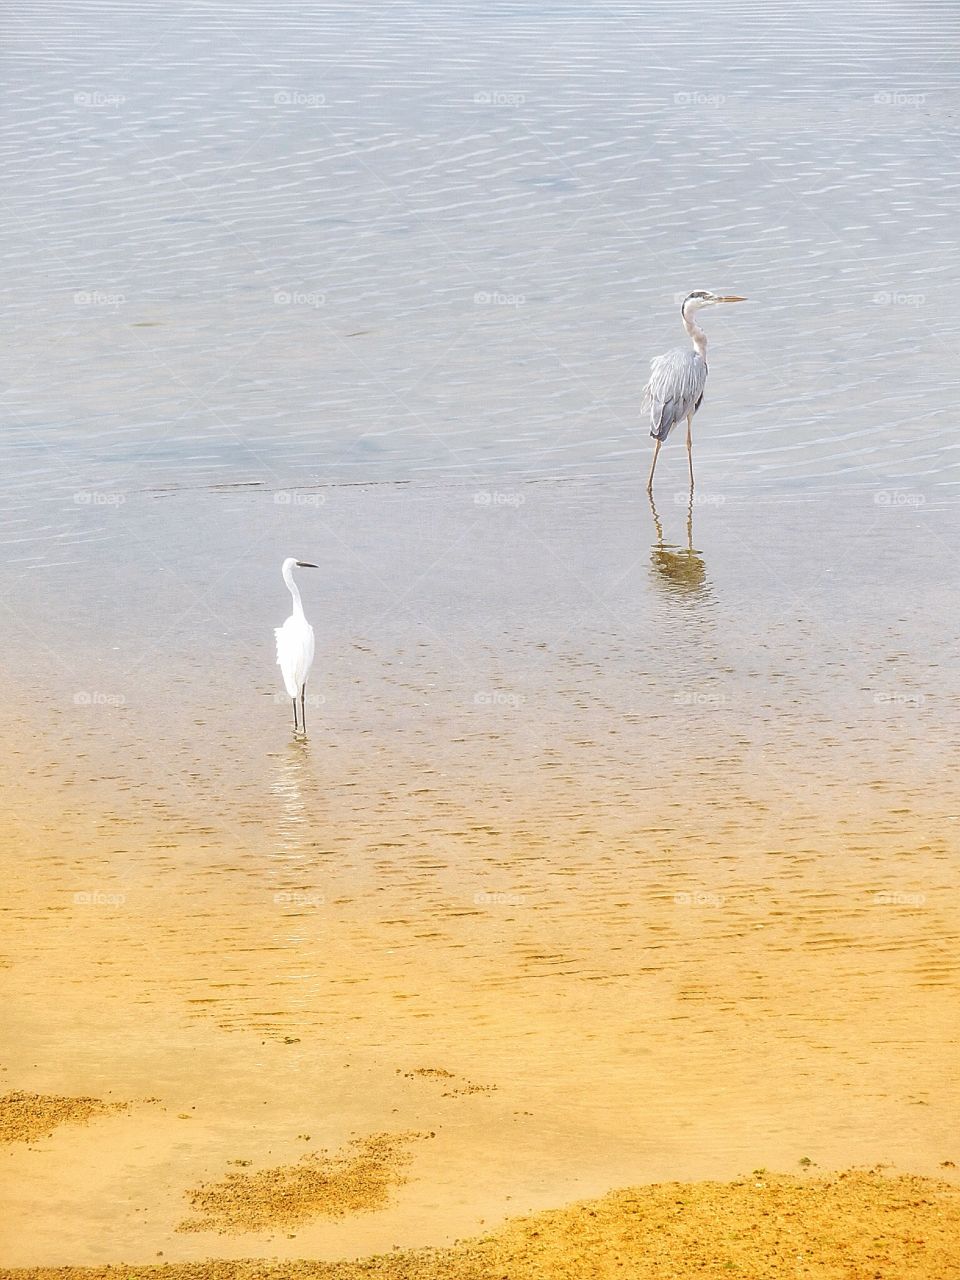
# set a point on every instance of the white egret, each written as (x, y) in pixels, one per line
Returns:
(677, 379)
(295, 644)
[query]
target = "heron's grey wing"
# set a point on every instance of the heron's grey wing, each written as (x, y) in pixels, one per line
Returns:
(675, 389)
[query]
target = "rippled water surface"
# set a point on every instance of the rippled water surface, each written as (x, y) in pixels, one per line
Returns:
(639, 817)
(308, 242)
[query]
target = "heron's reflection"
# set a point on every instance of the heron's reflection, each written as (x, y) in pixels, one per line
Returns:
(679, 569)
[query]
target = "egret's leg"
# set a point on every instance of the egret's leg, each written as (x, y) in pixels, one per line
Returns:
(295, 726)
(653, 466)
(690, 446)
(303, 714)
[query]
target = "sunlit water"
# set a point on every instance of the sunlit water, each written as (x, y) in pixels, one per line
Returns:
(643, 814)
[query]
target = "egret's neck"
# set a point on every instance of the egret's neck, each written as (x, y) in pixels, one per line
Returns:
(294, 591)
(696, 334)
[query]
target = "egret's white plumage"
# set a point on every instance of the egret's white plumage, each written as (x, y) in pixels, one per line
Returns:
(295, 642)
(678, 379)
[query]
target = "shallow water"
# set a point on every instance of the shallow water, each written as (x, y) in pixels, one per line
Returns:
(642, 814)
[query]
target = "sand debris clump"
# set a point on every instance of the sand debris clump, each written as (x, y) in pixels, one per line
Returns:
(24, 1117)
(440, 1073)
(357, 1179)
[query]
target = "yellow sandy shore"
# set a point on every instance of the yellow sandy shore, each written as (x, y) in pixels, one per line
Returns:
(860, 1225)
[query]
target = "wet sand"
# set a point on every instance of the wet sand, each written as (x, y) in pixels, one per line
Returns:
(593, 913)
(858, 1225)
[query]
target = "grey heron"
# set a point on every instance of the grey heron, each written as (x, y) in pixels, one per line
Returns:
(677, 379)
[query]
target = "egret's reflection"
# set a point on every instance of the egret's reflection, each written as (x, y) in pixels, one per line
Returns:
(296, 925)
(289, 778)
(679, 569)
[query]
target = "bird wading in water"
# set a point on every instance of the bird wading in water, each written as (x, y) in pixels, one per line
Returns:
(678, 379)
(295, 644)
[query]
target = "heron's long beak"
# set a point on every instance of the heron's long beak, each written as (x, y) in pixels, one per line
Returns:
(732, 297)
(305, 564)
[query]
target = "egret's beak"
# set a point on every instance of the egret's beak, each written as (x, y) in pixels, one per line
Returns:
(305, 564)
(732, 297)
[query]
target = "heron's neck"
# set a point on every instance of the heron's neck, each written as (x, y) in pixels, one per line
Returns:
(696, 334)
(295, 592)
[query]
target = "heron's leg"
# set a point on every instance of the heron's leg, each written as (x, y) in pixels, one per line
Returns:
(690, 446)
(656, 519)
(653, 466)
(295, 725)
(690, 524)
(303, 714)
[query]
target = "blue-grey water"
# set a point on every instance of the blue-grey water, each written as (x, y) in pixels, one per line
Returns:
(321, 242)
